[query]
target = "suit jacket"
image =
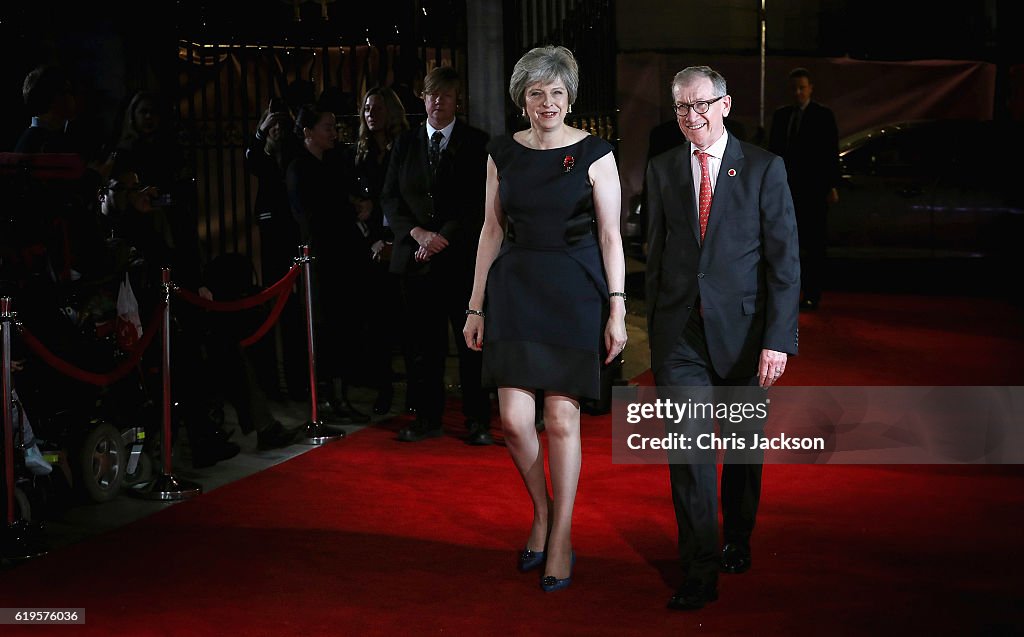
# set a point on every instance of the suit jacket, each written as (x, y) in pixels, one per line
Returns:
(812, 155)
(450, 201)
(747, 272)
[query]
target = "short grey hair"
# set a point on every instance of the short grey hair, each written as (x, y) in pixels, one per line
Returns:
(691, 73)
(544, 64)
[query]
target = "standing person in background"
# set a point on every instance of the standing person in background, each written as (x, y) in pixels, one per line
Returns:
(270, 150)
(149, 147)
(382, 121)
(320, 190)
(550, 251)
(434, 198)
(723, 286)
(806, 136)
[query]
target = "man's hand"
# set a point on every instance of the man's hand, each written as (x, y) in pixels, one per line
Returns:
(363, 209)
(430, 242)
(771, 367)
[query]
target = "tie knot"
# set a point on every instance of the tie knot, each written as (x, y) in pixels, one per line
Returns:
(437, 137)
(702, 157)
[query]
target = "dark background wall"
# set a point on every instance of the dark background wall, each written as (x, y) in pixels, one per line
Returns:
(869, 29)
(116, 48)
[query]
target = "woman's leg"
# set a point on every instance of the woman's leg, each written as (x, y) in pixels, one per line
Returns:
(517, 420)
(562, 424)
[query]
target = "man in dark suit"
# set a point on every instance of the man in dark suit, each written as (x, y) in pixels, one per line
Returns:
(433, 198)
(722, 292)
(806, 136)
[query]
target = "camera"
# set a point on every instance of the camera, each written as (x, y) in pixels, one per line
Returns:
(278, 106)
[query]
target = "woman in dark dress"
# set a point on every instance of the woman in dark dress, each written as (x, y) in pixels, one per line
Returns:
(550, 279)
(382, 121)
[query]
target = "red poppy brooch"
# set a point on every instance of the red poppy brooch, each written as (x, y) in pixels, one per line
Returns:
(568, 163)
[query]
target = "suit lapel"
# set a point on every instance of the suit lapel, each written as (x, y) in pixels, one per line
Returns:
(453, 142)
(725, 186)
(683, 169)
(423, 153)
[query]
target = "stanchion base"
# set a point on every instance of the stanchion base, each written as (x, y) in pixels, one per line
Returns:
(166, 487)
(317, 433)
(22, 541)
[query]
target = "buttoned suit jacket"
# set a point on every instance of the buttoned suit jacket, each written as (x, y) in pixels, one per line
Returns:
(449, 201)
(747, 272)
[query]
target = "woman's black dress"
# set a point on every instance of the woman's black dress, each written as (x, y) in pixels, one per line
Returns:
(546, 290)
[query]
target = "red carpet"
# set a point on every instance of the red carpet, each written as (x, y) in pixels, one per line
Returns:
(369, 536)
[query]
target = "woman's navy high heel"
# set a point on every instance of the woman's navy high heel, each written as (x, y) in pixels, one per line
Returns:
(529, 560)
(550, 583)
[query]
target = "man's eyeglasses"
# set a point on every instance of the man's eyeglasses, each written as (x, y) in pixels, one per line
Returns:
(701, 107)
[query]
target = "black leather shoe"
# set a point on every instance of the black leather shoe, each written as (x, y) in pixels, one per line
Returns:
(479, 434)
(213, 451)
(350, 413)
(274, 437)
(340, 415)
(693, 595)
(382, 405)
(735, 559)
(808, 305)
(418, 431)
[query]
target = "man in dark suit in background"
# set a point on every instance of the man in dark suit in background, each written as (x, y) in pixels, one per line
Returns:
(806, 136)
(433, 198)
(723, 286)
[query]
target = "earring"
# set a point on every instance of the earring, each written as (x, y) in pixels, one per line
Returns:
(570, 109)
(524, 111)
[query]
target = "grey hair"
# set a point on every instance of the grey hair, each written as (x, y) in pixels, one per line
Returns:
(691, 73)
(544, 64)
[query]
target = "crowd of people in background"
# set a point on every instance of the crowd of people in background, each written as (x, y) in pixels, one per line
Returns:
(126, 207)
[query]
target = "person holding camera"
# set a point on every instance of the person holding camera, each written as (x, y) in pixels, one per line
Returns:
(267, 156)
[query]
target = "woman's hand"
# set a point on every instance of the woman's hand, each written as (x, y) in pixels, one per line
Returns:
(376, 249)
(614, 337)
(474, 332)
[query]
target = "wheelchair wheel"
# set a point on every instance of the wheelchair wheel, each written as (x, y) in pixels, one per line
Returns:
(101, 463)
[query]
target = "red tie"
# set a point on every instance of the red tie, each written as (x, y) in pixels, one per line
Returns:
(704, 206)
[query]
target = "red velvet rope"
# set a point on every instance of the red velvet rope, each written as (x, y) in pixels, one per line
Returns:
(279, 288)
(94, 378)
(275, 313)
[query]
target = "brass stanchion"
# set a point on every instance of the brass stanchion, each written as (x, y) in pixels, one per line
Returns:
(315, 433)
(21, 538)
(167, 486)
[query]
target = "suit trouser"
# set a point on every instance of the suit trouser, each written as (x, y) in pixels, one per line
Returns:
(693, 478)
(433, 302)
(812, 227)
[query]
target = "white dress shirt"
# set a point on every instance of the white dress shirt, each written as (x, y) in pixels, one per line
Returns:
(446, 131)
(715, 153)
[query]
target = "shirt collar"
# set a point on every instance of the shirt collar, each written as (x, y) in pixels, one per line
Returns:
(446, 131)
(717, 150)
